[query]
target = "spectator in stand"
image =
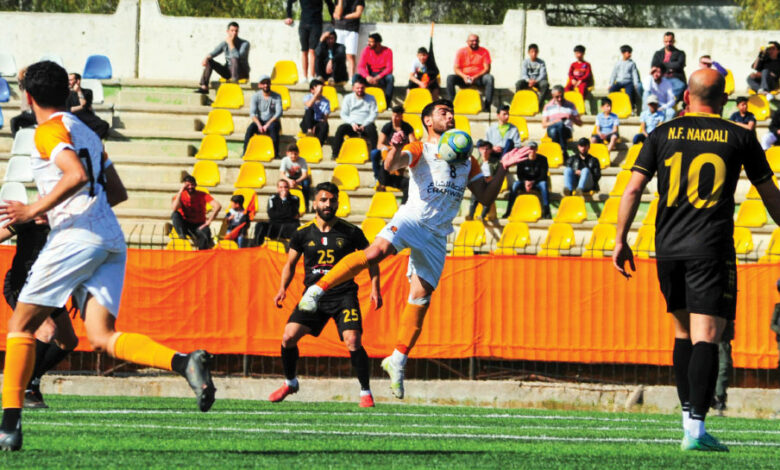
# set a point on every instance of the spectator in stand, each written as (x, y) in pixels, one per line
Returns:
(706, 62)
(237, 219)
(424, 74)
(767, 70)
(607, 125)
(673, 60)
(472, 68)
(490, 160)
(662, 88)
(533, 74)
(771, 137)
(358, 111)
(309, 31)
(265, 109)
(376, 66)
(580, 72)
(189, 216)
(650, 118)
(742, 117)
(531, 174)
(626, 76)
(503, 135)
(315, 118)
(347, 21)
(236, 66)
(559, 117)
(396, 124)
(295, 171)
(25, 118)
(283, 215)
(330, 61)
(582, 171)
(79, 103)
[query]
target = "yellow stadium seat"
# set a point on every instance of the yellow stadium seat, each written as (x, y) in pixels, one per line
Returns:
(212, 147)
(527, 208)
(285, 72)
(275, 245)
(652, 211)
(229, 95)
(462, 123)
(560, 236)
(515, 236)
(729, 88)
(250, 175)
(227, 245)
(602, 240)
(759, 106)
(621, 104)
(383, 205)
(379, 96)
(302, 203)
(601, 153)
(467, 101)
(346, 177)
(572, 210)
(524, 103)
(553, 152)
(220, 121)
(260, 149)
(417, 99)
(415, 121)
(206, 173)
(353, 151)
(284, 92)
(609, 213)
(371, 226)
(310, 149)
(631, 155)
(471, 236)
(522, 126)
(332, 96)
(620, 183)
(773, 157)
(345, 206)
(575, 98)
(241, 81)
(753, 192)
(772, 254)
(645, 242)
(751, 213)
(179, 244)
(743, 241)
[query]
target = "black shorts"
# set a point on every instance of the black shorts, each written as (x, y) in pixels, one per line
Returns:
(344, 309)
(309, 35)
(707, 286)
(432, 85)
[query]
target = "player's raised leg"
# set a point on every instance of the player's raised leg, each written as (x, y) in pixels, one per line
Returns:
(293, 332)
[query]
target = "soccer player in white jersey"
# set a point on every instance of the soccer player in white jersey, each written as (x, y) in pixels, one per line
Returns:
(84, 254)
(436, 189)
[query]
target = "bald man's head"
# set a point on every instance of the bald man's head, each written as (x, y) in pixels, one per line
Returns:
(706, 86)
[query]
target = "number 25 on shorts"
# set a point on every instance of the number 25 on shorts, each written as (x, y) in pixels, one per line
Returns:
(350, 315)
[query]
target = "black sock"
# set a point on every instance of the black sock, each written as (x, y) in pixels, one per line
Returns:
(360, 364)
(289, 361)
(11, 418)
(702, 373)
(179, 363)
(40, 353)
(681, 358)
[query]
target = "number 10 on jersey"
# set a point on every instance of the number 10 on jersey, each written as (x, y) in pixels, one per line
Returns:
(695, 168)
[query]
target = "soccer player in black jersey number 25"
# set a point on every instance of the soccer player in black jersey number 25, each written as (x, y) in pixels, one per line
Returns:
(698, 159)
(322, 243)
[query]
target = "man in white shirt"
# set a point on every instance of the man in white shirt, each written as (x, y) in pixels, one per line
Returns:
(358, 111)
(662, 88)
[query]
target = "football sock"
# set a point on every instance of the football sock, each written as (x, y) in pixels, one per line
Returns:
(40, 352)
(179, 363)
(681, 358)
(360, 364)
(19, 364)
(11, 418)
(140, 349)
(48, 359)
(290, 361)
(703, 370)
(345, 270)
(365, 392)
(410, 326)
(399, 358)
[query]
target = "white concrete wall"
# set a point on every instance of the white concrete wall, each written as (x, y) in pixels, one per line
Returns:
(72, 36)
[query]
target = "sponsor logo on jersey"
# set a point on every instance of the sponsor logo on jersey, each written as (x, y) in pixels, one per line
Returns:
(311, 243)
(340, 242)
(324, 241)
(393, 229)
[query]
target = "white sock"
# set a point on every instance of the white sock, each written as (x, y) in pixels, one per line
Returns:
(399, 358)
(291, 383)
(686, 416)
(363, 393)
(314, 290)
(695, 428)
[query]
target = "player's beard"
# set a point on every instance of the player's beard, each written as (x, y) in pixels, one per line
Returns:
(442, 127)
(326, 216)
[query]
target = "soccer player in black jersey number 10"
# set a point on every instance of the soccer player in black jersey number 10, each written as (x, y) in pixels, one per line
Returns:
(698, 159)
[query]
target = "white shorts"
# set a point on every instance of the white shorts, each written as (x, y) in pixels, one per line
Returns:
(349, 39)
(429, 250)
(76, 268)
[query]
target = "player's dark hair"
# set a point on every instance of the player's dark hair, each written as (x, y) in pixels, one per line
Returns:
(315, 83)
(660, 65)
(231, 24)
(238, 199)
(77, 76)
(669, 33)
(293, 148)
(422, 50)
(428, 109)
(606, 101)
(625, 48)
(189, 179)
(361, 80)
(376, 37)
(741, 99)
(327, 186)
(47, 83)
(504, 107)
(579, 48)
(533, 46)
(558, 88)
(397, 109)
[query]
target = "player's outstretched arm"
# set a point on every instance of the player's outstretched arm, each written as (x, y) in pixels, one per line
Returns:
(376, 286)
(629, 203)
(395, 159)
(288, 271)
(115, 189)
(487, 192)
(771, 197)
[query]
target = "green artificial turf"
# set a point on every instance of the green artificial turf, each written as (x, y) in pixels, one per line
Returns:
(122, 432)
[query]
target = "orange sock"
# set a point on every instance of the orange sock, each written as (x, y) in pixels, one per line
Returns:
(19, 364)
(410, 326)
(140, 349)
(345, 270)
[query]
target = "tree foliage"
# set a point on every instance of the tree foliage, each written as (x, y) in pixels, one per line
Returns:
(759, 14)
(60, 6)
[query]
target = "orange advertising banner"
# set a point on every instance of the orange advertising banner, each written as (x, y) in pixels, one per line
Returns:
(506, 307)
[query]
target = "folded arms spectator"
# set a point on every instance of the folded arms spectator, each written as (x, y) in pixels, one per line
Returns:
(283, 214)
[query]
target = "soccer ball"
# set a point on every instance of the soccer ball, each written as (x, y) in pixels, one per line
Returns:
(455, 145)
